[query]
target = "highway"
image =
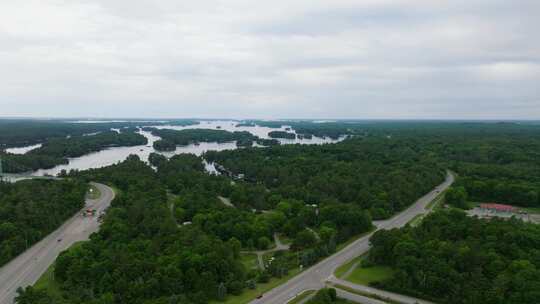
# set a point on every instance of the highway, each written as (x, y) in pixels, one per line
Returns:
(26, 269)
(315, 277)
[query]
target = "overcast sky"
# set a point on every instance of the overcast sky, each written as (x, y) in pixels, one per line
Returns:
(271, 59)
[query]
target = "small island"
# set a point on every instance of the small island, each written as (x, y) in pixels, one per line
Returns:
(172, 138)
(282, 134)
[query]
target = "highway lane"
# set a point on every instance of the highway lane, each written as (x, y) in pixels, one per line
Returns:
(26, 269)
(316, 276)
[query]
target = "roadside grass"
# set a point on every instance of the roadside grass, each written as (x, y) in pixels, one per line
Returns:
(532, 210)
(367, 275)
(249, 260)
(93, 193)
(365, 294)
(438, 202)
(343, 269)
(301, 297)
(250, 294)
(417, 219)
(363, 275)
(46, 281)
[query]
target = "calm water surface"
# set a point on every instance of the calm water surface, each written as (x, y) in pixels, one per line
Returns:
(117, 154)
(22, 150)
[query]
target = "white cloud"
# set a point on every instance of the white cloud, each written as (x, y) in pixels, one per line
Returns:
(305, 58)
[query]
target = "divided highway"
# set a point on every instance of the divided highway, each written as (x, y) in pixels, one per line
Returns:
(26, 269)
(315, 277)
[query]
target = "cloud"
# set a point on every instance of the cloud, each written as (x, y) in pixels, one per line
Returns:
(239, 58)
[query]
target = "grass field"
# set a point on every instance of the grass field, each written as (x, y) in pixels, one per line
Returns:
(342, 270)
(417, 219)
(47, 282)
(249, 260)
(368, 275)
(363, 275)
(532, 210)
(438, 202)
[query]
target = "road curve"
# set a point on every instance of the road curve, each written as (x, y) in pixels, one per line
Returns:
(315, 277)
(26, 269)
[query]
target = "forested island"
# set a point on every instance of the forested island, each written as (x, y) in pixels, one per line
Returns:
(281, 134)
(172, 138)
(25, 132)
(31, 209)
(57, 150)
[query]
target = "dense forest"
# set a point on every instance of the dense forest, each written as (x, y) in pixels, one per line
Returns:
(169, 223)
(178, 242)
(453, 258)
(19, 132)
(31, 209)
(372, 173)
(56, 151)
(496, 162)
(172, 138)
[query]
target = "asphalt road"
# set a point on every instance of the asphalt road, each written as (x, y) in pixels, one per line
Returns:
(382, 293)
(315, 277)
(26, 269)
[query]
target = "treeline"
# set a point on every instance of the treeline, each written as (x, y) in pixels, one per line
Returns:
(453, 258)
(172, 138)
(31, 209)
(495, 162)
(374, 174)
(25, 132)
(56, 151)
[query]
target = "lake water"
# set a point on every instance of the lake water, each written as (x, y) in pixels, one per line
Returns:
(117, 154)
(22, 150)
(259, 131)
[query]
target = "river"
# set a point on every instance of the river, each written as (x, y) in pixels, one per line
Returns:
(114, 155)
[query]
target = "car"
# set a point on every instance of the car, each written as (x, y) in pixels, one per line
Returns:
(59, 240)
(259, 296)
